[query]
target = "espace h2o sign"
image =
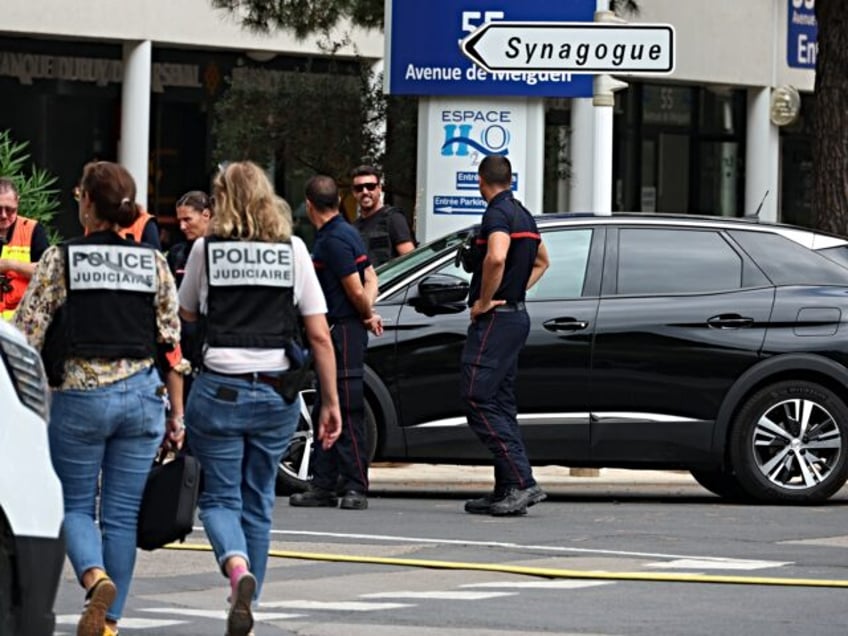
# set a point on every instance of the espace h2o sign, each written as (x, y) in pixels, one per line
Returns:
(423, 55)
(471, 133)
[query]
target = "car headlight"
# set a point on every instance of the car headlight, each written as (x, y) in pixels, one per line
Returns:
(27, 373)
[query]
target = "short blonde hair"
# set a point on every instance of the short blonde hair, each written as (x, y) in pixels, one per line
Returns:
(246, 206)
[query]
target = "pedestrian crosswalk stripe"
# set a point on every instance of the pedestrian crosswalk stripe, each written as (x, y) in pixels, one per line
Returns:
(444, 596)
(217, 614)
(128, 623)
(539, 585)
(717, 564)
(340, 606)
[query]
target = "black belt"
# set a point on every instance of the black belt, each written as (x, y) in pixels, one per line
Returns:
(264, 378)
(509, 307)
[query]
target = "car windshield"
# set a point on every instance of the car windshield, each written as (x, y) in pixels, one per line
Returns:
(395, 269)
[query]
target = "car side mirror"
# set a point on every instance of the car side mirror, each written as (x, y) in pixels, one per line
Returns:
(441, 294)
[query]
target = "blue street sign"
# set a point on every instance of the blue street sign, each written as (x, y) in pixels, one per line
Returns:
(423, 56)
(451, 204)
(802, 34)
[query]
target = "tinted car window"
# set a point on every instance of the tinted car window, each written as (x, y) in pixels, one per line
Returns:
(397, 268)
(669, 261)
(568, 251)
(786, 262)
(838, 254)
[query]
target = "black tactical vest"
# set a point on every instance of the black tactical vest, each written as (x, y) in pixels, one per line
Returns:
(378, 242)
(110, 311)
(251, 294)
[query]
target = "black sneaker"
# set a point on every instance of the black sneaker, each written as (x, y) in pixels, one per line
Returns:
(481, 505)
(240, 618)
(314, 497)
(354, 500)
(516, 501)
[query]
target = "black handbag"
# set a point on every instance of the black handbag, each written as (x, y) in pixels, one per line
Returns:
(169, 501)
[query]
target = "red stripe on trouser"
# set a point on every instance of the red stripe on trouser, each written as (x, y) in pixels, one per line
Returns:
(354, 443)
(474, 405)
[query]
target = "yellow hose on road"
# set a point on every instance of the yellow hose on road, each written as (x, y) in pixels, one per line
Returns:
(550, 573)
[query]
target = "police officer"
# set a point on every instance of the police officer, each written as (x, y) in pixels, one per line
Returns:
(383, 228)
(101, 309)
(350, 287)
(22, 242)
(249, 280)
(511, 258)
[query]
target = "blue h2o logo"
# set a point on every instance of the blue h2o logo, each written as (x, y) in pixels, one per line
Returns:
(493, 140)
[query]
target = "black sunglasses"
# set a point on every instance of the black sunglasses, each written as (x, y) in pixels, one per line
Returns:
(370, 186)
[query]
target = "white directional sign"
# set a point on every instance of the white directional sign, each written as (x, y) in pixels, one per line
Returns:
(574, 47)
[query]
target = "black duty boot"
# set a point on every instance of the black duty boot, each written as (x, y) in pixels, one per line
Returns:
(516, 501)
(481, 505)
(354, 500)
(314, 497)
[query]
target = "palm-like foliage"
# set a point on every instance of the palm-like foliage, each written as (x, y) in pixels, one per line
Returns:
(38, 198)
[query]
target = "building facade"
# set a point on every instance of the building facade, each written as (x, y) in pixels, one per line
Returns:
(702, 139)
(137, 82)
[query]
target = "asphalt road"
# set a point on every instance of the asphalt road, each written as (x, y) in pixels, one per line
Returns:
(606, 558)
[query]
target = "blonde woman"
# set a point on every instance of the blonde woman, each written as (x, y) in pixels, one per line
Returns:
(247, 282)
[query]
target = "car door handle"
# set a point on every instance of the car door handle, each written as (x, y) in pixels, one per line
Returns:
(729, 321)
(564, 324)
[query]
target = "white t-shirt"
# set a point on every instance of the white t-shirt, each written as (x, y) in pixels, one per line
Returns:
(194, 293)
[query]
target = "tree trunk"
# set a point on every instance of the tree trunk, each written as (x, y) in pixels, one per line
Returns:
(830, 127)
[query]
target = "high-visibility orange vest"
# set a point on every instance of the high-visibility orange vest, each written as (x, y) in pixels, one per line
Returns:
(19, 248)
(136, 230)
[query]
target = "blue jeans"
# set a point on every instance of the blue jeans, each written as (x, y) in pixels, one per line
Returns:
(113, 433)
(239, 430)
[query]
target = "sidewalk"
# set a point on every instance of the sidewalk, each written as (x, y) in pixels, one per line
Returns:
(441, 476)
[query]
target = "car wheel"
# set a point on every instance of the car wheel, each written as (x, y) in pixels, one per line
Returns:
(788, 443)
(293, 469)
(7, 613)
(721, 483)
(293, 472)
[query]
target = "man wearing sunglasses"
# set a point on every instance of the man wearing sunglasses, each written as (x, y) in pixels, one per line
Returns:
(383, 228)
(23, 242)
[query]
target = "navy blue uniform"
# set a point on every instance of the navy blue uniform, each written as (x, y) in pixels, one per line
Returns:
(337, 253)
(490, 356)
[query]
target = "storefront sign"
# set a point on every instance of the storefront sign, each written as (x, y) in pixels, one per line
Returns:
(28, 67)
(423, 55)
(802, 34)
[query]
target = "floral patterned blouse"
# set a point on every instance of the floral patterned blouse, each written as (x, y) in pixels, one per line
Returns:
(46, 292)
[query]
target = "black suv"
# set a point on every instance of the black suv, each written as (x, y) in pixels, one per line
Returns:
(718, 346)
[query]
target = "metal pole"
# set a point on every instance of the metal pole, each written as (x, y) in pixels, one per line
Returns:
(603, 101)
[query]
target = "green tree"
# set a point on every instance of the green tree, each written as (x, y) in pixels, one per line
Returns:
(37, 197)
(320, 122)
(830, 121)
(307, 17)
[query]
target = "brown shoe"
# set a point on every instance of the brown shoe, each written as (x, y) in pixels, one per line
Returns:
(97, 600)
